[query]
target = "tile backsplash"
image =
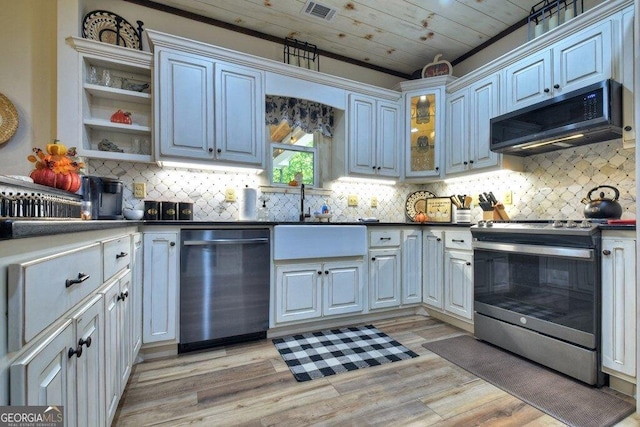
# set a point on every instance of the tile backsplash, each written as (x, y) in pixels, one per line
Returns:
(552, 185)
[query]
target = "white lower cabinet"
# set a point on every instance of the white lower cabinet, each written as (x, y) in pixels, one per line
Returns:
(118, 316)
(312, 290)
(433, 266)
(160, 286)
(66, 369)
(448, 278)
(395, 267)
(619, 306)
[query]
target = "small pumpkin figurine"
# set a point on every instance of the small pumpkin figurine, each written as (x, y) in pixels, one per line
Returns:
(123, 117)
(421, 217)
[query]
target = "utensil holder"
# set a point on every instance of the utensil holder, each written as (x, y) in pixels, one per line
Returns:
(463, 215)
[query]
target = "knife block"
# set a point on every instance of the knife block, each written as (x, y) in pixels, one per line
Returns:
(498, 213)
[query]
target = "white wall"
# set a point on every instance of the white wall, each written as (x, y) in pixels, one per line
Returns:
(28, 78)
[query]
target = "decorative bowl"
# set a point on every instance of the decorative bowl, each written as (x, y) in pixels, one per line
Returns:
(133, 214)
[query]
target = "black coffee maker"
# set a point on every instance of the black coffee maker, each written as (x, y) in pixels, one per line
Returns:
(105, 195)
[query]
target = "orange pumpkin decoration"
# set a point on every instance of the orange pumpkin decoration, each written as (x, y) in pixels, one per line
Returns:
(421, 217)
(56, 169)
(121, 117)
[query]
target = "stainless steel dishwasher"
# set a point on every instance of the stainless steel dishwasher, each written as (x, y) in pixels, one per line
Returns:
(224, 287)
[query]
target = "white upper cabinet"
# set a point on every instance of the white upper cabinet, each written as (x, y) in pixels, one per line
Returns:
(573, 62)
(373, 137)
(185, 105)
(208, 111)
(469, 112)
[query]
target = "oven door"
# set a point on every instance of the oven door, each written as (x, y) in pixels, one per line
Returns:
(551, 290)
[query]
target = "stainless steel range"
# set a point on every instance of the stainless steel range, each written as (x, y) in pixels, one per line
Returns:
(537, 291)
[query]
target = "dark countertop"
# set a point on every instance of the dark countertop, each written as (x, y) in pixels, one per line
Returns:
(24, 228)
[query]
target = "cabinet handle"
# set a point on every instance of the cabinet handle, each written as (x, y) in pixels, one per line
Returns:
(211, 150)
(172, 244)
(81, 278)
(546, 90)
(76, 351)
(468, 263)
(385, 238)
(86, 342)
(606, 252)
(556, 86)
(121, 255)
(628, 128)
(123, 295)
(219, 150)
(457, 240)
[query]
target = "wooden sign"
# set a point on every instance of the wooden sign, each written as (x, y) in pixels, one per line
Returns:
(439, 209)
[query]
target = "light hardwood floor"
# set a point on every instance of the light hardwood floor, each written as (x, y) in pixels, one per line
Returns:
(249, 384)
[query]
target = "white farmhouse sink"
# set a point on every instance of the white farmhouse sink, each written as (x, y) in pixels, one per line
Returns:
(319, 241)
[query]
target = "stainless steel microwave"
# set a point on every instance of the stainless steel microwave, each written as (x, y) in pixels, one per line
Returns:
(584, 116)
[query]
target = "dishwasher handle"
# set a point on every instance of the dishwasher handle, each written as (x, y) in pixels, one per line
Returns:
(214, 242)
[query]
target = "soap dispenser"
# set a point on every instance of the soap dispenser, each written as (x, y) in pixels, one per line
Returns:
(263, 212)
(325, 208)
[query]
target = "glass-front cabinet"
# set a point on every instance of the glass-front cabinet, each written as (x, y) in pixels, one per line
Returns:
(424, 132)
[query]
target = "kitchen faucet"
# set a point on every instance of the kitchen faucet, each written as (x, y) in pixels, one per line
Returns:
(302, 214)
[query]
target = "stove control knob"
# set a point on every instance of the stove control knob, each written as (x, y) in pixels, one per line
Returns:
(585, 224)
(481, 223)
(557, 224)
(571, 224)
(489, 223)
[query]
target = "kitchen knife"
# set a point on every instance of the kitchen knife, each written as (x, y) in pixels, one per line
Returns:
(487, 197)
(493, 199)
(456, 202)
(481, 198)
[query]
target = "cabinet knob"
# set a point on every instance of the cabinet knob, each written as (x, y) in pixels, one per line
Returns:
(465, 163)
(172, 244)
(468, 263)
(556, 86)
(86, 342)
(121, 255)
(123, 295)
(319, 273)
(438, 240)
(628, 128)
(373, 258)
(219, 150)
(437, 168)
(210, 150)
(373, 167)
(470, 162)
(546, 90)
(379, 167)
(606, 252)
(326, 272)
(76, 351)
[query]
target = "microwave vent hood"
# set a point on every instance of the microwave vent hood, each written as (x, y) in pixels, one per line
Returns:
(584, 116)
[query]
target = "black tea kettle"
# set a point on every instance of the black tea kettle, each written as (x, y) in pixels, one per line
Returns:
(602, 208)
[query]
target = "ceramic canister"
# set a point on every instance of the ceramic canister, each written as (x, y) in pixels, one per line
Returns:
(168, 211)
(185, 211)
(151, 210)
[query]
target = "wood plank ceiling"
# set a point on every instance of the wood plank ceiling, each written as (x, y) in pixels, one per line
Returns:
(396, 35)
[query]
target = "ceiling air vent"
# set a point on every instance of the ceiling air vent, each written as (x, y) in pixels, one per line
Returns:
(318, 10)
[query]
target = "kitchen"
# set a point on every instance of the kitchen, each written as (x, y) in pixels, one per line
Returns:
(534, 190)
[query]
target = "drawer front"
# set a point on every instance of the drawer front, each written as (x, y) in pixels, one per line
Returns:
(42, 290)
(458, 240)
(117, 255)
(384, 238)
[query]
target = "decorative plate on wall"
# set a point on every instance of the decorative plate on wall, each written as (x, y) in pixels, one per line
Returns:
(110, 28)
(8, 119)
(416, 203)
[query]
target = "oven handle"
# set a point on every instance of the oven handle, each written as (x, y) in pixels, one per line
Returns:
(556, 251)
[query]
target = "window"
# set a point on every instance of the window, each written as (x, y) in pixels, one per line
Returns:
(294, 158)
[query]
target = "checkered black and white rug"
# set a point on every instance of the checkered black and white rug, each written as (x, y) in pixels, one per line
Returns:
(320, 354)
